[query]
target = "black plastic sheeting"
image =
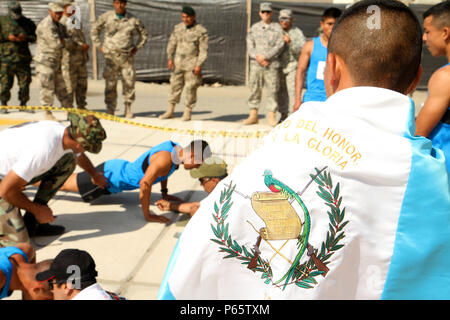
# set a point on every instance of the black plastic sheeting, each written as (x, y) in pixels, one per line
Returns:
(226, 22)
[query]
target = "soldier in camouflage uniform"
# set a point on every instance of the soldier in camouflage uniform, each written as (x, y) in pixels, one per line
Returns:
(16, 32)
(51, 39)
(75, 58)
(42, 152)
(187, 50)
(264, 45)
(294, 41)
(119, 50)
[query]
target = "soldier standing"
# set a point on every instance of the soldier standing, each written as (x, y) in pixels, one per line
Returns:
(51, 39)
(294, 41)
(264, 45)
(119, 50)
(187, 50)
(16, 31)
(75, 58)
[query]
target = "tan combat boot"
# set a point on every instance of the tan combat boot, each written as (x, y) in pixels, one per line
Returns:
(283, 117)
(252, 117)
(271, 118)
(128, 113)
(186, 114)
(169, 113)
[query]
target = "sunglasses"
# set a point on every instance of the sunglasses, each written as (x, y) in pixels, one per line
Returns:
(203, 180)
(51, 283)
(267, 12)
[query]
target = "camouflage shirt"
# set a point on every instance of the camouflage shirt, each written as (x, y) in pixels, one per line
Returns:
(188, 47)
(16, 51)
(291, 52)
(265, 39)
(118, 32)
(51, 39)
(74, 54)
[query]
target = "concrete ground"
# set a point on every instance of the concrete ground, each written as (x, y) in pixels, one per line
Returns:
(131, 254)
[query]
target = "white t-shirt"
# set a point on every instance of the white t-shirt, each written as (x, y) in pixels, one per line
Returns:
(31, 149)
(93, 292)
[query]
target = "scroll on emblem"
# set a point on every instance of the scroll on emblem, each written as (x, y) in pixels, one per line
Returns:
(282, 222)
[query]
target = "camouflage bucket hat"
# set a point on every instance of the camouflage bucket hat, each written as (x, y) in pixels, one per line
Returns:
(88, 131)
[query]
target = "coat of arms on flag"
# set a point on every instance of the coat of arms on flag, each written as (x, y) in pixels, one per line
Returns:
(283, 222)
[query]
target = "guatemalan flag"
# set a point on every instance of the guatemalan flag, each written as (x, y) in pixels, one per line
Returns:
(341, 201)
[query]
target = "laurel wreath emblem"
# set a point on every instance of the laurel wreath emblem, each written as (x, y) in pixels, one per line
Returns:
(304, 275)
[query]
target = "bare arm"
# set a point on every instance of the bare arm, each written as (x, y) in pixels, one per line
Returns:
(160, 164)
(11, 190)
(183, 207)
(2, 280)
(302, 67)
(436, 103)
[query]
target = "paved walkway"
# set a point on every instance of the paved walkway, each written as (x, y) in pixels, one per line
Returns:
(131, 254)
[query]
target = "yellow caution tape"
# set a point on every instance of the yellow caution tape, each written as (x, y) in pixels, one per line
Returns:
(101, 115)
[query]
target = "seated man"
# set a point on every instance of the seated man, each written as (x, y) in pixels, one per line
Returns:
(46, 152)
(342, 201)
(18, 272)
(72, 276)
(153, 166)
(210, 173)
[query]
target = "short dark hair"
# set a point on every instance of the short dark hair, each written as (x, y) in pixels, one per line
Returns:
(386, 56)
(440, 13)
(332, 12)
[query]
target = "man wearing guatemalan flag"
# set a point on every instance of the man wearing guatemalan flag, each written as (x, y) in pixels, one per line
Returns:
(342, 201)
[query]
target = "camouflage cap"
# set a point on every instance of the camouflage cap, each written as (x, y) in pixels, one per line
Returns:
(88, 131)
(210, 168)
(265, 6)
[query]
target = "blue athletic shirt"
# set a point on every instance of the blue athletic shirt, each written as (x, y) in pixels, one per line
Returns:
(7, 268)
(440, 137)
(315, 86)
(125, 175)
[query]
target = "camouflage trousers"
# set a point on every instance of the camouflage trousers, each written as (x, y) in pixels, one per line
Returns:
(286, 93)
(51, 83)
(260, 77)
(12, 227)
(180, 79)
(76, 80)
(23, 73)
(116, 63)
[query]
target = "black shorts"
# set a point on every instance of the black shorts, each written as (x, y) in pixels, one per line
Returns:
(87, 189)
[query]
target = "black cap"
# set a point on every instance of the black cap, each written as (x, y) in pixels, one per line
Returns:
(62, 267)
(188, 10)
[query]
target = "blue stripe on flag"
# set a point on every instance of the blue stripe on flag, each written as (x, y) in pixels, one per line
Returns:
(421, 258)
(164, 292)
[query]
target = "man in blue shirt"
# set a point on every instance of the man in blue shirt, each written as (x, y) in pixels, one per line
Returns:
(153, 166)
(312, 62)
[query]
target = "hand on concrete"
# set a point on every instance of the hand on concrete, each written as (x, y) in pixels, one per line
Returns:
(163, 205)
(155, 218)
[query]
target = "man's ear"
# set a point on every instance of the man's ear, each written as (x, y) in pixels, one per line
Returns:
(446, 33)
(332, 74)
(416, 80)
